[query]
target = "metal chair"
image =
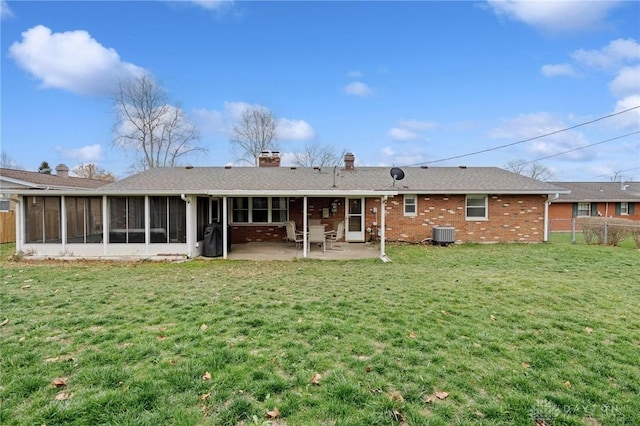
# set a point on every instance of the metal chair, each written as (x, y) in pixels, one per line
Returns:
(337, 235)
(317, 236)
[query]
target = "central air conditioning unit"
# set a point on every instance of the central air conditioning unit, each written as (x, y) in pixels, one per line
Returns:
(444, 235)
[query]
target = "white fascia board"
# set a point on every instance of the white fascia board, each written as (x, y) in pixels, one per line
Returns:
(310, 193)
(483, 192)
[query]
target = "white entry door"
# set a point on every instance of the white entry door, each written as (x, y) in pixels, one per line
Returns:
(355, 219)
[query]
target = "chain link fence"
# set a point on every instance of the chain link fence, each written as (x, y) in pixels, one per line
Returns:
(595, 230)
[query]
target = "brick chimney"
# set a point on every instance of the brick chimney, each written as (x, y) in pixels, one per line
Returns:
(349, 160)
(269, 159)
(62, 170)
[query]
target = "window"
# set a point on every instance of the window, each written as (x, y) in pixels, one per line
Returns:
(42, 220)
(476, 207)
(624, 208)
(167, 220)
(584, 209)
(84, 219)
(5, 205)
(410, 205)
(126, 220)
(259, 209)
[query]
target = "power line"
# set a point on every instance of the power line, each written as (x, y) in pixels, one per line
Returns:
(582, 147)
(528, 139)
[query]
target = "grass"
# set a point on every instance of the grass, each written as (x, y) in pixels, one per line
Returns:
(565, 238)
(482, 334)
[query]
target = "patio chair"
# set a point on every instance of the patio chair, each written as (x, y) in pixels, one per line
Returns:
(317, 236)
(292, 234)
(337, 235)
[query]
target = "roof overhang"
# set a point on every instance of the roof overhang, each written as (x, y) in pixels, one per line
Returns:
(208, 192)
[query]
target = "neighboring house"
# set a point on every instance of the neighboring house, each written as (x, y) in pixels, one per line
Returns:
(607, 199)
(164, 211)
(13, 181)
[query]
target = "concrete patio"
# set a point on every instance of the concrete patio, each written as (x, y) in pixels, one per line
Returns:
(288, 251)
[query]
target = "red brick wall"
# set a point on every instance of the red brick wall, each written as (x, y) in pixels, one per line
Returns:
(511, 218)
(561, 214)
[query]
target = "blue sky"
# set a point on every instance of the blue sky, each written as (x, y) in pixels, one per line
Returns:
(396, 83)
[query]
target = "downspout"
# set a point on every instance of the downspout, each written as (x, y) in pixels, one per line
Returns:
(546, 216)
(225, 234)
(189, 226)
(383, 226)
(305, 235)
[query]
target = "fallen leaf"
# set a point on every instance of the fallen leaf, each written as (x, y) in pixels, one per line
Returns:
(273, 414)
(437, 395)
(493, 318)
(300, 320)
(5, 322)
(412, 334)
(315, 379)
(442, 395)
(396, 396)
(62, 396)
(203, 327)
(567, 384)
(24, 287)
(59, 382)
(160, 337)
(204, 396)
(367, 369)
(589, 330)
(206, 376)
(55, 359)
(525, 365)
(172, 362)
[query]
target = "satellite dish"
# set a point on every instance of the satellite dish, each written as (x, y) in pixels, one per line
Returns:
(397, 174)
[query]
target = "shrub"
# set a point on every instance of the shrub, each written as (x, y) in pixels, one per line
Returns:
(606, 230)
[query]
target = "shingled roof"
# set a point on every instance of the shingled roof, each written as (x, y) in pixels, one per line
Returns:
(599, 191)
(301, 180)
(15, 179)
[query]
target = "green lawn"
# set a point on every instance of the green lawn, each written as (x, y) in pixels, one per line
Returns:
(543, 334)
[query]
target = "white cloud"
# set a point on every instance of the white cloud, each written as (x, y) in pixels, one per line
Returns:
(554, 70)
(357, 88)
(629, 120)
(213, 4)
(527, 126)
(71, 60)
(627, 82)
(222, 122)
(410, 130)
(354, 74)
(399, 134)
(294, 130)
(89, 153)
(555, 16)
(418, 125)
(5, 10)
(617, 53)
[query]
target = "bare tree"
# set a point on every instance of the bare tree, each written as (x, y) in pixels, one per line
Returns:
(533, 170)
(159, 133)
(255, 133)
(93, 171)
(315, 155)
(619, 177)
(6, 162)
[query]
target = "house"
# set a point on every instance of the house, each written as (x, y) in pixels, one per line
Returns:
(607, 199)
(164, 211)
(13, 181)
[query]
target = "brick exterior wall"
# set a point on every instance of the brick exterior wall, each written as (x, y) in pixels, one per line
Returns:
(511, 218)
(561, 214)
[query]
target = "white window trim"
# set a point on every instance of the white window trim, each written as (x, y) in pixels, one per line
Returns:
(625, 211)
(588, 210)
(486, 207)
(413, 197)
